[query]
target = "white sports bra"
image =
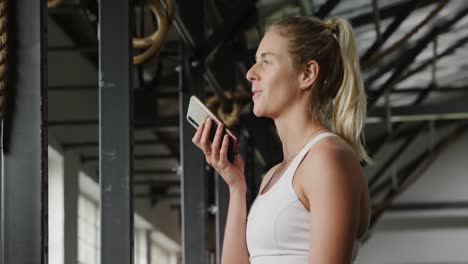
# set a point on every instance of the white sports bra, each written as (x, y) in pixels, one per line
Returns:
(278, 223)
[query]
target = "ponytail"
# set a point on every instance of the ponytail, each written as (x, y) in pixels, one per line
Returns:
(350, 103)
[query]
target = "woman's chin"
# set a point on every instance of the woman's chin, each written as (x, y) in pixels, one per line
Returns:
(258, 112)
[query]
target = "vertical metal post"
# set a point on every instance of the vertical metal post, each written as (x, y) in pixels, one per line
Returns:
(71, 193)
(222, 204)
(115, 131)
(24, 163)
(193, 179)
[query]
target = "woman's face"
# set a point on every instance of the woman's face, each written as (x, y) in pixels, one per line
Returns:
(275, 80)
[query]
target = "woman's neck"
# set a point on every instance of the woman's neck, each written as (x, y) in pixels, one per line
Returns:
(295, 130)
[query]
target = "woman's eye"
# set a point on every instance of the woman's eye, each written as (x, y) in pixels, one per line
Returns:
(265, 62)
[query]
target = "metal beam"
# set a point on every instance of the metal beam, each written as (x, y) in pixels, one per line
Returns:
(423, 65)
(396, 154)
(75, 22)
(229, 29)
(438, 89)
(408, 57)
(193, 179)
(83, 87)
(116, 134)
(407, 175)
(428, 206)
(83, 48)
(24, 140)
(397, 21)
(455, 109)
(326, 8)
(155, 171)
(423, 223)
(387, 12)
(88, 144)
(164, 181)
(92, 158)
(222, 204)
(171, 121)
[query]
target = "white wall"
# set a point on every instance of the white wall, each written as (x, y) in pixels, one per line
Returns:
(430, 236)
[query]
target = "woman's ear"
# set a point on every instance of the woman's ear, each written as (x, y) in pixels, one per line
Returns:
(309, 75)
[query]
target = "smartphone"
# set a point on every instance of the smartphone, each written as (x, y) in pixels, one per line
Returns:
(198, 113)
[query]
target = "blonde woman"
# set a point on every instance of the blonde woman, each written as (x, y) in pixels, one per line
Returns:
(314, 206)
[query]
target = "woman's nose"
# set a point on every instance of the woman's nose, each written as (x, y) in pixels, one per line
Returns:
(251, 75)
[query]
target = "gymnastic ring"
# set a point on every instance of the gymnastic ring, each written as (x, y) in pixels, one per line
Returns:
(53, 3)
(157, 41)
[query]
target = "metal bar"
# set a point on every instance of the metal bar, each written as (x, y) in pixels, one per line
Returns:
(408, 57)
(396, 154)
(228, 29)
(72, 123)
(140, 124)
(158, 178)
(376, 13)
(326, 8)
(71, 191)
(91, 87)
(159, 197)
(444, 89)
(92, 158)
(155, 171)
(24, 139)
(424, 206)
(406, 176)
(116, 134)
(455, 109)
(90, 48)
(397, 21)
(424, 93)
(222, 204)
(448, 51)
(387, 12)
(193, 180)
(166, 182)
(423, 223)
(86, 144)
(307, 7)
(411, 166)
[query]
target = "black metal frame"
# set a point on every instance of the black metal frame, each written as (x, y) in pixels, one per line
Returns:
(116, 134)
(24, 204)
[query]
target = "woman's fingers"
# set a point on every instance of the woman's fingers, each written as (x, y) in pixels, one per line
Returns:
(217, 142)
(197, 137)
(224, 150)
(205, 140)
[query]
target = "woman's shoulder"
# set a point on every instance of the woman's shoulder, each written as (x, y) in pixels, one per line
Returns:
(333, 159)
(331, 149)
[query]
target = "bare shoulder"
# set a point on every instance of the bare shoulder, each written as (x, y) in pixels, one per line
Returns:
(332, 153)
(332, 161)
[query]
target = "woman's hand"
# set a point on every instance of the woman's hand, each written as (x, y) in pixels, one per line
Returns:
(216, 154)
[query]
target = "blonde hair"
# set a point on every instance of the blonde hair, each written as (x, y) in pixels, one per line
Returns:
(338, 96)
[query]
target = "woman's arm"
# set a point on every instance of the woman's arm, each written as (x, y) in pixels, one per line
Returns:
(333, 192)
(234, 244)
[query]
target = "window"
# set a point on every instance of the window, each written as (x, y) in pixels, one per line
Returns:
(88, 230)
(56, 206)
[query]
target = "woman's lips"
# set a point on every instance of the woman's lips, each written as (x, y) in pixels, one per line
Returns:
(256, 94)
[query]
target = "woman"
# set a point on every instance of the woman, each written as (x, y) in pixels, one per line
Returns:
(314, 206)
